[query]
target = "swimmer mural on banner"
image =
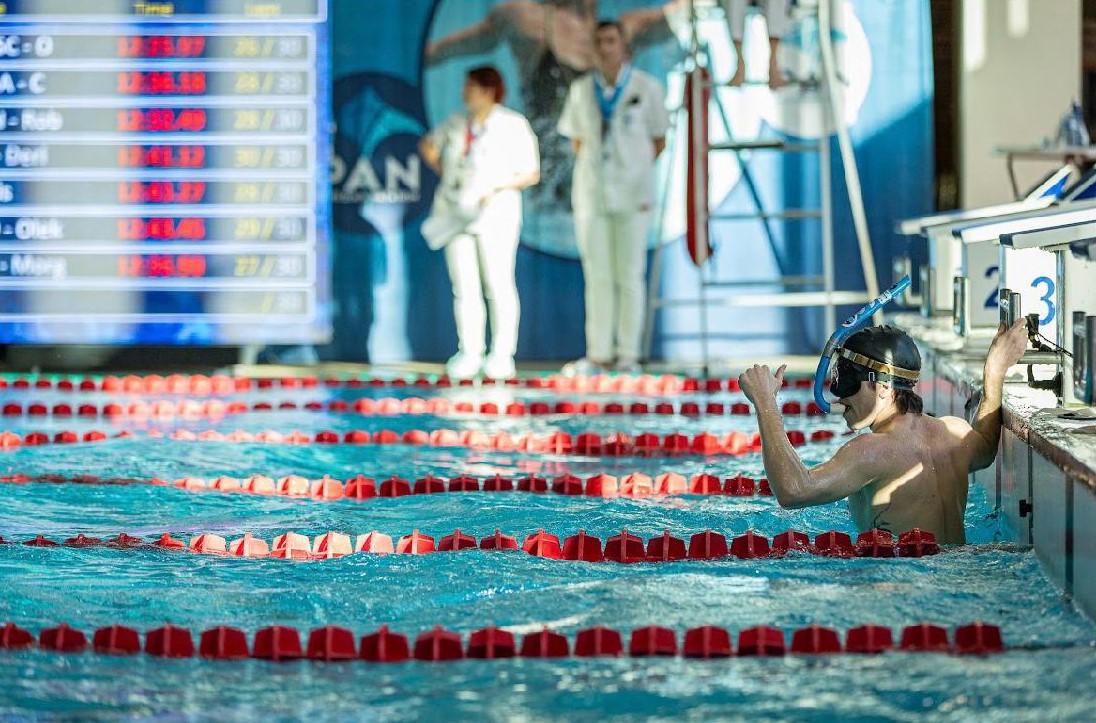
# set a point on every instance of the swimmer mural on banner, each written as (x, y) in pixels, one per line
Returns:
(400, 75)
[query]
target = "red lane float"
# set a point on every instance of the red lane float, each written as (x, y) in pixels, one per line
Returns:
(707, 641)
(815, 640)
(277, 642)
(169, 641)
(360, 487)
(224, 643)
(116, 640)
(221, 385)
(587, 444)
(490, 643)
(62, 639)
(334, 643)
(624, 547)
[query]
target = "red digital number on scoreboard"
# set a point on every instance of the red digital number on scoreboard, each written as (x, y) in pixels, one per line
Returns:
(161, 83)
(160, 46)
(162, 156)
(161, 229)
(161, 192)
(162, 266)
(161, 120)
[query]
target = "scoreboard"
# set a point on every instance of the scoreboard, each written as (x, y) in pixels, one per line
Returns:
(164, 171)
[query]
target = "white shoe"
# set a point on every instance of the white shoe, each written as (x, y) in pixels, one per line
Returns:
(582, 368)
(499, 367)
(463, 366)
(627, 366)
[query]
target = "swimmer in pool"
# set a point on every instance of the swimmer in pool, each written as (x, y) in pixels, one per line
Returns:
(912, 470)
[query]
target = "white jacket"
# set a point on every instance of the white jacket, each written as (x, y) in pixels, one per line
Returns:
(503, 150)
(618, 177)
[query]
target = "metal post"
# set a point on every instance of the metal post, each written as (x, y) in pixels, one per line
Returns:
(1009, 158)
(825, 192)
(696, 87)
(705, 356)
(694, 34)
(848, 158)
(654, 283)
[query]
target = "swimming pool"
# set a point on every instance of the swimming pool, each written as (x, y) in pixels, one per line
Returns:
(1043, 676)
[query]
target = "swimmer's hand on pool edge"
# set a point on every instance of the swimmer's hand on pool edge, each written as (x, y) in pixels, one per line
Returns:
(1007, 348)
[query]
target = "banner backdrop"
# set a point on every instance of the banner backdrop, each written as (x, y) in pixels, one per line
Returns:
(398, 68)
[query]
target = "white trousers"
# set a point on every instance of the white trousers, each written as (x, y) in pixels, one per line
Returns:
(613, 251)
(481, 266)
(776, 17)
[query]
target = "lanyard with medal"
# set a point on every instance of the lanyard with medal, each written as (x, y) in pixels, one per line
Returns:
(607, 103)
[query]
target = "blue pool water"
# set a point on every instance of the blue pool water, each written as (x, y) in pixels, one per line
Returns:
(1050, 676)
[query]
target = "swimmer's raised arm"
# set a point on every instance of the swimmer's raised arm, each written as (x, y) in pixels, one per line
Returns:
(1007, 348)
(648, 26)
(855, 465)
(477, 38)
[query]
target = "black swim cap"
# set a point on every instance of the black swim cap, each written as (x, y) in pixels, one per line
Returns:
(887, 345)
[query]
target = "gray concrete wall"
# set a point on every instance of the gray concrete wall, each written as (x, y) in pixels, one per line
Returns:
(1020, 68)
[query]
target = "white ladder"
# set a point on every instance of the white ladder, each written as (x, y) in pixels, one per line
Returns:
(828, 298)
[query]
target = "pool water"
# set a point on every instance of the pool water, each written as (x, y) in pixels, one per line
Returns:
(1050, 673)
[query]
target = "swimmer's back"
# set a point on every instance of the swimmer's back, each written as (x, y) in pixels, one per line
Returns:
(928, 463)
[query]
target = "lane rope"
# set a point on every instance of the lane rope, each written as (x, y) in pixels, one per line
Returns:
(586, 444)
(388, 406)
(361, 487)
(624, 547)
(334, 643)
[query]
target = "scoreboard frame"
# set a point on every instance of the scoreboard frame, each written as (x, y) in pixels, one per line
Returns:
(185, 311)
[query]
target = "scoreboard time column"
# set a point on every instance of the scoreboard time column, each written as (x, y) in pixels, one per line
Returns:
(163, 171)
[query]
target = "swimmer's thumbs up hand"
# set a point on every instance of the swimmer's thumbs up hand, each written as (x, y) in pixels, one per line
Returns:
(780, 376)
(760, 385)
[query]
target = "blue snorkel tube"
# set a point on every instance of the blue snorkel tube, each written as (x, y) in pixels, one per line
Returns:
(852, 325)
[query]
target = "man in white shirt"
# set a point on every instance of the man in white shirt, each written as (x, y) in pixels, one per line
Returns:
(616, 119)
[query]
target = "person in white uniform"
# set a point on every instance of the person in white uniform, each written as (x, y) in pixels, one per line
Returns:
(486, 155)
(616, 119)
(776, 22)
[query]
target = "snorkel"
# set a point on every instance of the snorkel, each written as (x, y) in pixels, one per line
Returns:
(847, 329)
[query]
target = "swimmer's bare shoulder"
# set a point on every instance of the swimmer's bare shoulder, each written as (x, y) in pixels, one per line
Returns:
(878, 455)
(961, 440)
(954, 425)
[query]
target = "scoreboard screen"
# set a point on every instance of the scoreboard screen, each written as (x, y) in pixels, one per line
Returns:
(164, 171)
